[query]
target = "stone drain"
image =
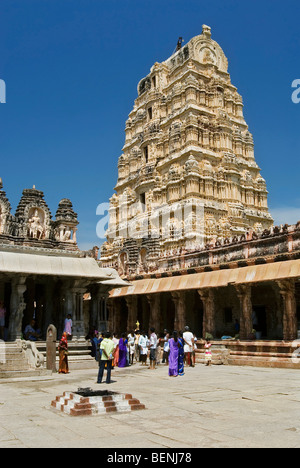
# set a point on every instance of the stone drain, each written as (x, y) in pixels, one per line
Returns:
(87, 402)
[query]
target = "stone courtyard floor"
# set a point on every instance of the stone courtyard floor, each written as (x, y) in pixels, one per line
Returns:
(215, 407)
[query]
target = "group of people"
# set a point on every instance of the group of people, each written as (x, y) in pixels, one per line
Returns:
(180, 351)
(175, 351)
(129, 348)
(112, 351)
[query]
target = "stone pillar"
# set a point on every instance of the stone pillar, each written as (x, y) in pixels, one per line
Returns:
(154, 303)
(209, 319)
(132, 305)
(51, 348)
(287, 291)
(246, 323)
(180, 316)
(17, 307)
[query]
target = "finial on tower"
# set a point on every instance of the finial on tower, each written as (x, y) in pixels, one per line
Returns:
(206, 31)
(179, 44)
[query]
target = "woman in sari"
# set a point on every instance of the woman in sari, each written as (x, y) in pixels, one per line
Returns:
(181, 355)
(122, 351)
(116, 353)
(173, 356)
(63, 355)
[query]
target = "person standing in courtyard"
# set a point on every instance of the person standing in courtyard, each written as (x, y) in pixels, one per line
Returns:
(143, 341)
(174, 355)
(122, 351)
(137, 353)
(166, 348)
(116, 353)
(107, 354)
(181, 355)
(131, 345)
(63, 355)
(208, 355)
(68, 328)
(188, 338)
(152, 347)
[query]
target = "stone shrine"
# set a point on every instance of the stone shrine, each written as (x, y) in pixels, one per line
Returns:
(43, 274)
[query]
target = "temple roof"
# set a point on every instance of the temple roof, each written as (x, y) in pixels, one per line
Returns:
(46, 265)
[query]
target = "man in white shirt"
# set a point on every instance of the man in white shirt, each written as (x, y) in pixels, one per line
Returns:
(152, 347)
(188, 339)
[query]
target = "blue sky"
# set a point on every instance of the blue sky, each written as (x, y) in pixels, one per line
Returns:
(72, 67)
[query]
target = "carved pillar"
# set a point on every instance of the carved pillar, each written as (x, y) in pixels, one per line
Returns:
(180, 315)
(17, 307)
(154, 302)
(246, 323)
(209, 321)
(287, 291)
(132, 305)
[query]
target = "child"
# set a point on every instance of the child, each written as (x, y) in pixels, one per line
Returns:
(208, 355)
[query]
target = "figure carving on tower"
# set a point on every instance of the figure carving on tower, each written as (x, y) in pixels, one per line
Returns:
(36, 227)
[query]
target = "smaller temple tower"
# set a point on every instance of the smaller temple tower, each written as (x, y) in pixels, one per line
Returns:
(66, 222)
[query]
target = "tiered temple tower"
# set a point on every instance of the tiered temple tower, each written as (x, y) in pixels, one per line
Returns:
(187, 176)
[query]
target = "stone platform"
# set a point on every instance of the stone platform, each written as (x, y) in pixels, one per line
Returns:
(276, 354)
(95, 403)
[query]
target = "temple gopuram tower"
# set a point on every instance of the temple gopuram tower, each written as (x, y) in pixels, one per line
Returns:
(187, 176)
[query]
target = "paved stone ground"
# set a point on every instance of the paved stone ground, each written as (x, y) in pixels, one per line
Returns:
(215, 407)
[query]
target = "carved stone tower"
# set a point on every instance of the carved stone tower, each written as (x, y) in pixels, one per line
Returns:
(187, 175)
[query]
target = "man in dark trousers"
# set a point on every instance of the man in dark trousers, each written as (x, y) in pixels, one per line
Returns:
(107, 348)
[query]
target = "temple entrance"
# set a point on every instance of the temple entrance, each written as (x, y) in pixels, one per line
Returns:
(194, 313)
(260, 321)
(34, 298)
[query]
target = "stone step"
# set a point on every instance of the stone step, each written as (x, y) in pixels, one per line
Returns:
(17, 374)
(14, 365)
(79, 356)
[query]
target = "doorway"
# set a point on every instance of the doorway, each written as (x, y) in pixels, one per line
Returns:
(260, 321)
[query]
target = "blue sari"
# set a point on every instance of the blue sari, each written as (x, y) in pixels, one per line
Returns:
(181, 357)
